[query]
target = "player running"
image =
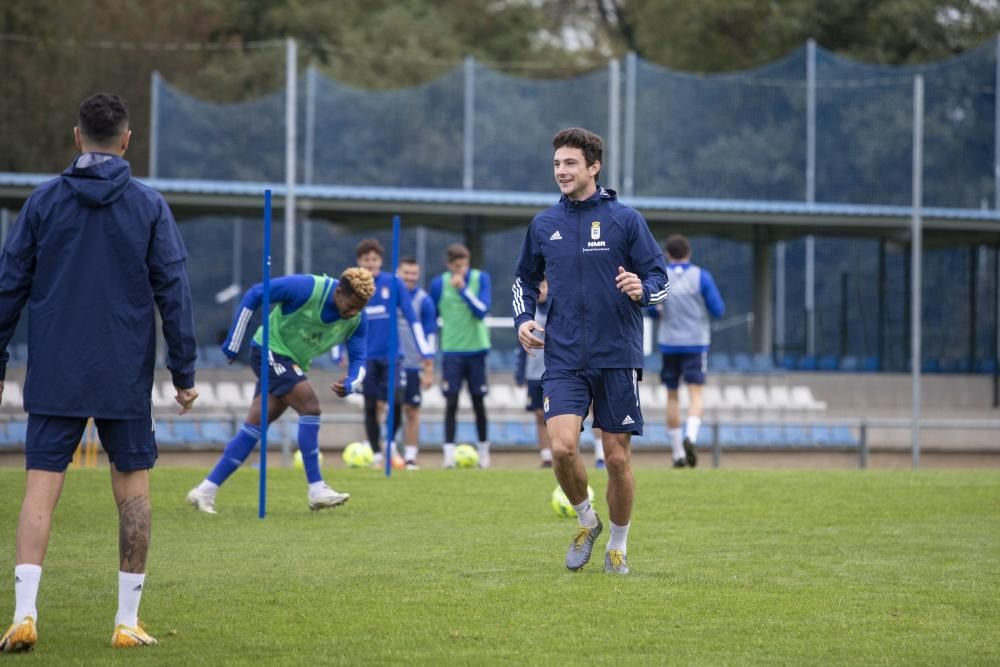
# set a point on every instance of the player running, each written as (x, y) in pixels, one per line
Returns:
(311, 315)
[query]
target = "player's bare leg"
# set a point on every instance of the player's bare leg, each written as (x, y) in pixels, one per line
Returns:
(621, 492)
(41, 495)
(696, 409)
(131, 491)
(564, 431)
(544, 441)
(674, 428)
(202, 497)
(302, 398)
(411, 434)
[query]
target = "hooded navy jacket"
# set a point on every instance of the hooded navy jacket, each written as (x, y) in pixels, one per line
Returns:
(90, 253)
(578, 246)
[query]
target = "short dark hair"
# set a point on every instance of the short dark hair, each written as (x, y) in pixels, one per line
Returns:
(457, 251)
(407, 259)
(678, 246)
(369, 245)
(103, 117)
(576, 137)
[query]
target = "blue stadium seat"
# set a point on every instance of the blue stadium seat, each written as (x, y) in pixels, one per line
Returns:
(772, 435)
(828, 362)
(850, 364)
(13, 433)
(220, 432)
(795, 434)
(728, 435)
(719, 362)
(187, 432)
(788, 361)
(928, 366)
(807, 362)
(986, 365)
(762, 363)
(869, 364)
(742, 363)
(211, 356)
(165, 433)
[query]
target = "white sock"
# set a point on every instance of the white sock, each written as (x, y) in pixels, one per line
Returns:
(484, 454)
(546, 454)
(129, 594)
(677, 442)
(598, 449)
(693, 424)
(208, 487)
(585, 513)
(411, 452)
(449, 452)
(619, 536)
(26, 578)
(316, 487)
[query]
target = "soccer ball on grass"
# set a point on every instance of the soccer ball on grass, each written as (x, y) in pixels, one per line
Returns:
(466, 456)
(297, 459)
(561, 504)
(358, 455)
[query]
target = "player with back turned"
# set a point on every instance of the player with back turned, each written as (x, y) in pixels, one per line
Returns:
(93, 254)
(603, 267)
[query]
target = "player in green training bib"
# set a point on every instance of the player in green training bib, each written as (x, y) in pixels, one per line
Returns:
(462, 297)
(311, 314)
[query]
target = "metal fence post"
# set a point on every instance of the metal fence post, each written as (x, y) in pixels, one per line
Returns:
(291, 104)
(716, 447)
(916, 275)
(154, 124)
(810, 296)
(863, 445)
(628, 166)
(469, 125)
(613, 155)
(308, 162)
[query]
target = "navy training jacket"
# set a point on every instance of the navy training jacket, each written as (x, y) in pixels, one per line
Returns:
(90, 253)
(578, 247)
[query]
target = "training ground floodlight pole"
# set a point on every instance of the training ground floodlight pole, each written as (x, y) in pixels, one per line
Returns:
(390, 420)
(265, 353)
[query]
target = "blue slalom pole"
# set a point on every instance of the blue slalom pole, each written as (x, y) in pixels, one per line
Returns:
(390, 422)
(265, 353)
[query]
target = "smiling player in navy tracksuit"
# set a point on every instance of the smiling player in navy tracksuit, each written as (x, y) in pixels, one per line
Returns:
(603, 266)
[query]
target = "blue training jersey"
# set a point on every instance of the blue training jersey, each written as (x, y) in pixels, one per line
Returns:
(379, 321)
(291, 293)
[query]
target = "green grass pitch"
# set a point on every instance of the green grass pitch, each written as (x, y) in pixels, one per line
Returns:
(466, 567)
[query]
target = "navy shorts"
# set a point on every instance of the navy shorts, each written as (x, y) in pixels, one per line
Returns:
(51, 441)
(413, 393)
(535, 395)
(469, 367)
(692, 366)
(613, 391)
(376, 383)
(282, 372)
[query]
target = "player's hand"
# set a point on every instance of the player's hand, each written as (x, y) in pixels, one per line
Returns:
(342, 362)
(458, 281)
(629, 283)
(340, 388)
(185, 398)
(525, 336)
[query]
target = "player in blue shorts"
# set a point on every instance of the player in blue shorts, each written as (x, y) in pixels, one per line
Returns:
(462, 297)
(684, 336)
(419, 369)
(603, 266)
(93, 255)
(311, 314)
(369, 253)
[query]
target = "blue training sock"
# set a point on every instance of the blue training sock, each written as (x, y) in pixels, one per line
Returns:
(309, 446)
(235, 453)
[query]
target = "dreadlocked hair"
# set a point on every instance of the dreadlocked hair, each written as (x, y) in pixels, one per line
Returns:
(359, 281)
